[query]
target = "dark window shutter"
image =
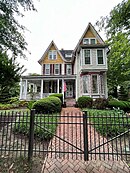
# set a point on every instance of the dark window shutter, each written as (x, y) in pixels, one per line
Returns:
(43, 69)
(65, 69)
(72, 69)
(60, 68)
(51, 69)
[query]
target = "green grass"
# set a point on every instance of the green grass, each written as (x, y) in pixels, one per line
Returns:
(109, 122)
(44, 128)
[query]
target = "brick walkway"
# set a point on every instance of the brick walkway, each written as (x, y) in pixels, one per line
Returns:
(71, 163)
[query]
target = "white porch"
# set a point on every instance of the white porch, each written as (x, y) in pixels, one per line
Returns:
(38, 87)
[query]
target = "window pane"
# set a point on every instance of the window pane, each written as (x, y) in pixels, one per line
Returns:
(92, 41)
(85, 84)
(85, 41)
(69, 69)
(56, 68)
(94, 84)
(47, 68)
(100, 56)
(87, 56)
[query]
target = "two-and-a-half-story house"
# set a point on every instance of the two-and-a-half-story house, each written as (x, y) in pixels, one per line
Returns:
(75, 73)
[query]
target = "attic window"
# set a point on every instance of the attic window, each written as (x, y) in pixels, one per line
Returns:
(52, 54)
(68, 55)
(89, 41)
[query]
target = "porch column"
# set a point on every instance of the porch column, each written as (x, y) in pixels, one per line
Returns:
(76, 89)
(58, 86)
(63, 89)
(41, 88)
(21, 88)
(25, 91)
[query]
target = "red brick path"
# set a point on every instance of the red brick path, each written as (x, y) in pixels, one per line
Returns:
(71, 163)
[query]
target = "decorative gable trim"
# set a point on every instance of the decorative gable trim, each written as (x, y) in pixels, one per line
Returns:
(45, 53)
(97, 36)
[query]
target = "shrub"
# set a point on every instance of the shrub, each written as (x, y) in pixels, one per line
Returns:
(85, 102)
(100, 103)
(48, 104)
(117, 104)
(60, 96)
(45, 129)
(23, 103)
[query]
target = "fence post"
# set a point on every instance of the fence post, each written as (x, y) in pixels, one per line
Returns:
(31, 135)
(85, 135)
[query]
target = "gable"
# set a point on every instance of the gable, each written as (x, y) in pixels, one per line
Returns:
(90, 32)
(58, 60)
(45, 58)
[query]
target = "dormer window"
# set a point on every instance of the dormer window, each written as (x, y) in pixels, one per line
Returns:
(89, 41)
(68, 55)
(52, 54)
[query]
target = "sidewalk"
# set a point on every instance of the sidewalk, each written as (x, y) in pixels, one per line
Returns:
(65, 164)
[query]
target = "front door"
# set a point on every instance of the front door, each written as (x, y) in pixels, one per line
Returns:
(69, 90)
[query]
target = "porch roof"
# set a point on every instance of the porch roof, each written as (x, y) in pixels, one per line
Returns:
(49, 77)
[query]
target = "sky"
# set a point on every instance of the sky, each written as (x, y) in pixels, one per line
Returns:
(62, 21)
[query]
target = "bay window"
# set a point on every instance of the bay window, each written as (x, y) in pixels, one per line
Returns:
(94, 84)
(85, 84)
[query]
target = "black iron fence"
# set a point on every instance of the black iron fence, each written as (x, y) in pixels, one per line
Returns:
(76, 135)
(108, 135)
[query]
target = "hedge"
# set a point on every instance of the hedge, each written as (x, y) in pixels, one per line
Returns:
(59, 95)
(48, 104)
(85, 102)
(100, 103)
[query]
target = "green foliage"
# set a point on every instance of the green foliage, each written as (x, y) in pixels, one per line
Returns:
(10, 73)
(109, 123)
(123, 95)
(100, 103)
(45, 129)
(48, 104)
(59, 95)
(30, 104)
(11, 32)
(123, 105)
(85, 102)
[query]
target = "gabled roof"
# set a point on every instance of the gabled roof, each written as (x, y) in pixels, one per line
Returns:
(64, 52)
(45, 53)
(98, 37)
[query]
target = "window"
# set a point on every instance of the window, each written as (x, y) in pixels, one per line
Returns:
(85, 84)
(68, 69)
(89, 41)
(92, 41)
(94, 84)
(85, 41)
(52, 54)
(100, 56)
(68, 55)
(87, 57)
(57, 69)
(47, 68)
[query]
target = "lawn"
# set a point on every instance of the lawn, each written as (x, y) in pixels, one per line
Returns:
(108, 123)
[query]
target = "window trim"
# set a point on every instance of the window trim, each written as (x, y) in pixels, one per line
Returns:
(67, 70)
(89, 40)
(84, 57)
(46, 69)
(97, 57)
(51, 52)
(97, 84)
(57, 68)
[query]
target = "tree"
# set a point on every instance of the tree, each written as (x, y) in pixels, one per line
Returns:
(10, 72)
(117, 29)
(11, 32)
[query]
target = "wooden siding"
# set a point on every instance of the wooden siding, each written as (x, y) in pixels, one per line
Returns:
(89, 34)
(59, 59)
